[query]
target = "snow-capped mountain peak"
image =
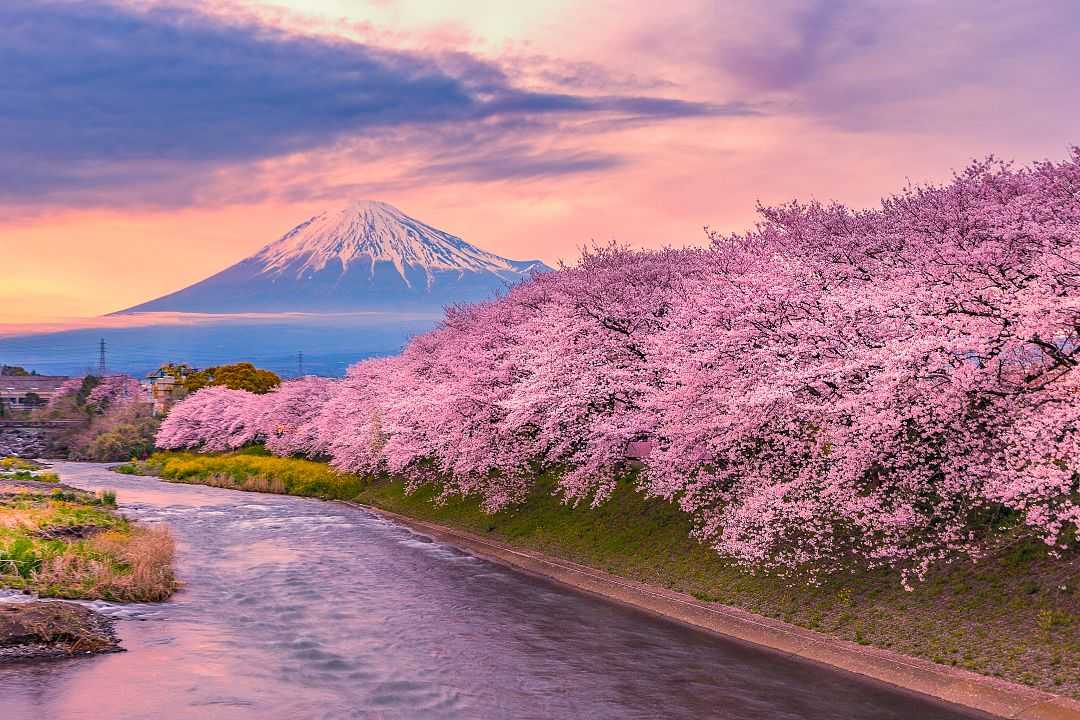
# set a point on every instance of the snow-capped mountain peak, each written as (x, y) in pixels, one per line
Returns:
(365, 256)
(369, 232)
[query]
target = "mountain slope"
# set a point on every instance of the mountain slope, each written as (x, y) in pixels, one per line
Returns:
(367, 256)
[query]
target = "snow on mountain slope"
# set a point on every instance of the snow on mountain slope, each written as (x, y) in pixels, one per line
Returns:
(370, 232)
(367, 256)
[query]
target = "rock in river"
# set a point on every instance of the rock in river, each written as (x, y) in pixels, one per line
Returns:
(39, 630)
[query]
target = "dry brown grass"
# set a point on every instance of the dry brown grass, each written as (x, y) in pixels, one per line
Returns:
(149, 552)
(125, 567)
(252, 483)
(19, 519)
(262, 483)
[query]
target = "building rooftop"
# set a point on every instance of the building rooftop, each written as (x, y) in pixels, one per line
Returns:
(21, 384)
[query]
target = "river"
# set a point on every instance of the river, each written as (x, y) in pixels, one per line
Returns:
(294, 608)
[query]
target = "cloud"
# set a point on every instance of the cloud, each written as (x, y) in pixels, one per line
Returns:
(521, 163)
(999, 69)
(814, 38)
(111, 103)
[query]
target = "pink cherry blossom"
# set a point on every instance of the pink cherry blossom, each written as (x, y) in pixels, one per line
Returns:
(882, 386)
(113, 390)
(212, 419)
(66, 390)
(290, 413)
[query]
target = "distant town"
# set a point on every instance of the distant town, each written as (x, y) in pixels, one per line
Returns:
(23, 391)
(102, 415)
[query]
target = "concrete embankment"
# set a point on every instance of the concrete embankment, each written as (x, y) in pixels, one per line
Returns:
(990, 695)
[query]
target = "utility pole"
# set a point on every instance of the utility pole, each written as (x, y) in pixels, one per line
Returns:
(101, 358)
(300, 364)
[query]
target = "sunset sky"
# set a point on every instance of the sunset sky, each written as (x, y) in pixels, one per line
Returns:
(144, 146)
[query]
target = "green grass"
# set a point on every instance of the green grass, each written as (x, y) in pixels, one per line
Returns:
(13, 468)
(68, 545)
(39, 476)
(1015, 614)
(252, 470)
(14, 463)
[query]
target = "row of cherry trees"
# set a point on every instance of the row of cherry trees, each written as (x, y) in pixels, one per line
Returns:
(882, 386)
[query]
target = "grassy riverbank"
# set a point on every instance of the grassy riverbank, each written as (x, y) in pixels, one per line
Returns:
(1015, 614)
(58, 541)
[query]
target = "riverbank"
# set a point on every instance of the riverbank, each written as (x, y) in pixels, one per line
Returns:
(961, 687)
(1013, 616)
(57, 541)
(294, 606)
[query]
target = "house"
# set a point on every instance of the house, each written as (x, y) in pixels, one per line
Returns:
(164, 386)
(28, 391)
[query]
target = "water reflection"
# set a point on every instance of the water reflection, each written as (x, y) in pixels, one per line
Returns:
(294, 608)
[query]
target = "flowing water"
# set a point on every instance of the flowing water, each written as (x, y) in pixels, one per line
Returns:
(294, 608)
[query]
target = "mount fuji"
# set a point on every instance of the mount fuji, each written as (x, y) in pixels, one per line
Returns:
(368, 256)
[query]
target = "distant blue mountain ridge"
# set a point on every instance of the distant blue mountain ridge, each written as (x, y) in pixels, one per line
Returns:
(361, 280)
(364, 257)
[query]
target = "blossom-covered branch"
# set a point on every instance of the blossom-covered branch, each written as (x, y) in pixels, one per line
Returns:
(886, 386)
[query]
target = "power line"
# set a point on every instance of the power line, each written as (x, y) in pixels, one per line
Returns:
(101, 358)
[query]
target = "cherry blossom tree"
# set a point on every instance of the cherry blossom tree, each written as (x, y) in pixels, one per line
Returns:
(883, 384)
(66, 391)
(289, 415)
(114, 390)
(349, 426)
(886, 387)
(213, 419)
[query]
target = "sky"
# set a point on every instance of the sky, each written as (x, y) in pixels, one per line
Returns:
(147, 145)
